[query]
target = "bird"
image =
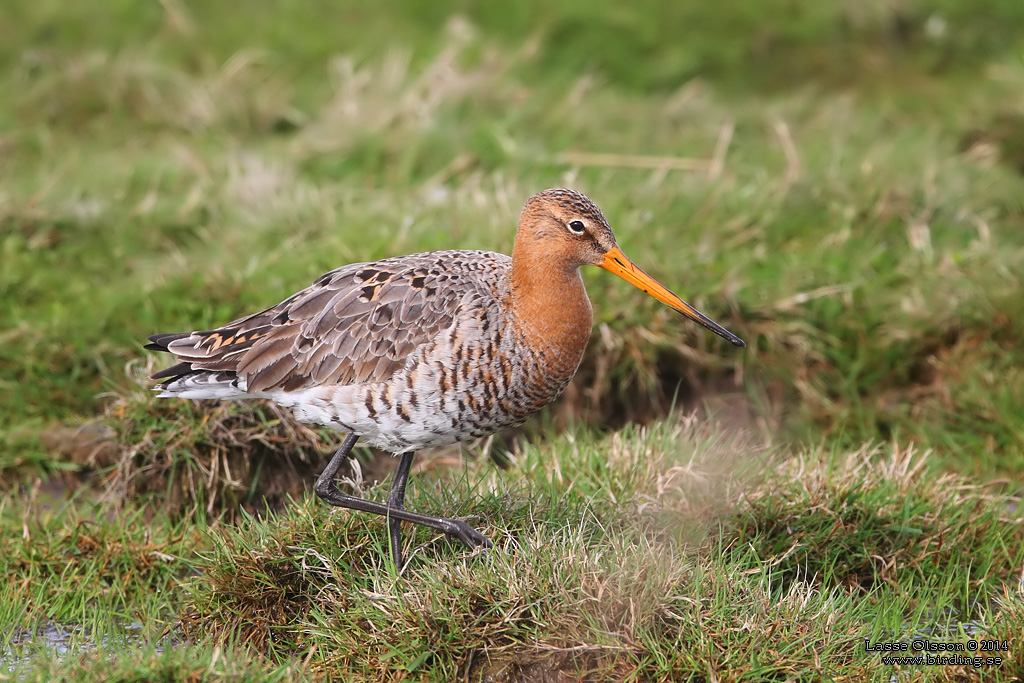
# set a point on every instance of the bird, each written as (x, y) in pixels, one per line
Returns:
(423, 350)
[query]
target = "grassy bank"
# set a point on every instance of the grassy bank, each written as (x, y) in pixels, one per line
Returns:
(840, 185)
(669, 552)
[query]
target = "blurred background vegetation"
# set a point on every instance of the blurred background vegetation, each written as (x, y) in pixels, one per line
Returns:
(840, 183)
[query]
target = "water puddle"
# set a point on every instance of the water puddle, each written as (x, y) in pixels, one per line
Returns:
(55, 640)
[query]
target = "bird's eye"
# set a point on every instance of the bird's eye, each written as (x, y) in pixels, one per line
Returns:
(577, 227)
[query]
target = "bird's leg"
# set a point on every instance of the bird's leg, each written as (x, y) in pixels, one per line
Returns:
(328, 491)
(395, 498)
(325, 482)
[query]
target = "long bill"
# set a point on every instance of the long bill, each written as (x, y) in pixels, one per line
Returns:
(616, 262)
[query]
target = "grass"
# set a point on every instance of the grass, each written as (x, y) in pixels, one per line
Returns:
(819, 220)
(649, 554)
(838, 183)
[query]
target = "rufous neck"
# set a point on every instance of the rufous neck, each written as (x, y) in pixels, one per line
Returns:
(550, 304)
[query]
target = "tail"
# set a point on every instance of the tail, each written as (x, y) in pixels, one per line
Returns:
(183, 380)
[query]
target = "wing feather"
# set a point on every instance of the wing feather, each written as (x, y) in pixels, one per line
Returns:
(358, 323)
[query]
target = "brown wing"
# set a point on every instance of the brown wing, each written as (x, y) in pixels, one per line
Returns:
(355, 324)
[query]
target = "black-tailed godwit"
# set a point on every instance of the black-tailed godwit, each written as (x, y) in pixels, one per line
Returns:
(422, 350)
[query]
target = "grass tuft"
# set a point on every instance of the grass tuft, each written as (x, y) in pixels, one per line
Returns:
(220, 456)
(869, 519)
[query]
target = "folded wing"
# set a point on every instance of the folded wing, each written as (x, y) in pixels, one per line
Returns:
(356, 324)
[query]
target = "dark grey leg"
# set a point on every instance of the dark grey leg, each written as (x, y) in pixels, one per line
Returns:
(396, 496)
(325, 482)
(328, 491)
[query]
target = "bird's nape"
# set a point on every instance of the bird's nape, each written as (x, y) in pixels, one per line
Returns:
(616, 262)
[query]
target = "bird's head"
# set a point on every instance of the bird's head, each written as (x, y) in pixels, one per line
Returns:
(568, 228)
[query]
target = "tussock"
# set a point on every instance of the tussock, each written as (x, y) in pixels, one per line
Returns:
(221, 456)
(875, 518)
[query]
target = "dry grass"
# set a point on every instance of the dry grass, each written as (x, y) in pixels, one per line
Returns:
(221, 457)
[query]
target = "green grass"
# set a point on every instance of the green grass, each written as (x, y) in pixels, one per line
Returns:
(649, 554)
(838, 183)
(868, 259)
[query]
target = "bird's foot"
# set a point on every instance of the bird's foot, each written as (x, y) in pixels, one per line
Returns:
(472, 538)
